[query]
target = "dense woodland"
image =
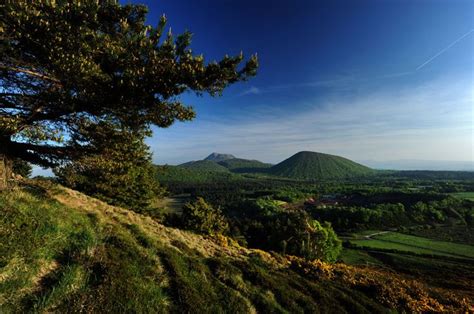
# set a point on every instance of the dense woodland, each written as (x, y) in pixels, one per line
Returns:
(387, 200)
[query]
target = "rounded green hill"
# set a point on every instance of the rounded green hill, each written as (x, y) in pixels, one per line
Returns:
(318, 166)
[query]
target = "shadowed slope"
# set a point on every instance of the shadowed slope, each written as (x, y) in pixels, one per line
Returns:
(204, 165)
(240, 165)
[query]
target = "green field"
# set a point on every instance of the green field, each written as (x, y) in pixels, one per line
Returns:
(464, 195)
(414, 244)
(458, 234)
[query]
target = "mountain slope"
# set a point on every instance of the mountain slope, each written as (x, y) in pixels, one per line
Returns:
(240, 165)
(204, 165)
(225, 162)
(318, 166)
(62, 251)
(216, 157)
(190, 175)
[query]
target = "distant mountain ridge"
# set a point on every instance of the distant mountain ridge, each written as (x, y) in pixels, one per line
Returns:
(218, 162)
(217, 157)
(304, 165)
(307, 165)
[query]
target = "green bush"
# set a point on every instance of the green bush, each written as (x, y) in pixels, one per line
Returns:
(296, 233)
(268, 206)
(201, 217)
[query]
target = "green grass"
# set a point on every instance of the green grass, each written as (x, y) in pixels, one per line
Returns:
(414, 244)
(464, 195)
(54, 258)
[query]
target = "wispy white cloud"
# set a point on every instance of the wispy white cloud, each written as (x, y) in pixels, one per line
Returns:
(333, 82)
(336, 82)
(251, 91)
(444, 50)
(430, 121)
(395, 75)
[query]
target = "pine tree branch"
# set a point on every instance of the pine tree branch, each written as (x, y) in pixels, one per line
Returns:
(31, 73)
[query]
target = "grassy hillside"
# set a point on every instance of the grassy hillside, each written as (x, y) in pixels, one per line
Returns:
(204, 165)
(240, 165)
(61, 251)
(318, 166)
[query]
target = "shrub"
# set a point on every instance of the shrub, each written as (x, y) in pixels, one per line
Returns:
(201, 217)
(296, 233)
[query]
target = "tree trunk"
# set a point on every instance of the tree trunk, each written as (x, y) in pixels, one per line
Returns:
(6, 172)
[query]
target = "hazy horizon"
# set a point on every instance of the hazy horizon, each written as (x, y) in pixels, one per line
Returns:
(403, 164)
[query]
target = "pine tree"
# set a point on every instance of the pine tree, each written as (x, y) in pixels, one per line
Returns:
(66, 65)
(116, 169)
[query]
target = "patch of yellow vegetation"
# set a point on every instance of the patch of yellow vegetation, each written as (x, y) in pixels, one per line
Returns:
(14, 265)
(390, 289)
(46, 267)
(105, 213)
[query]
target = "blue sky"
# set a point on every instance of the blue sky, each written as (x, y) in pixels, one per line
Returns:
(368, 80)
